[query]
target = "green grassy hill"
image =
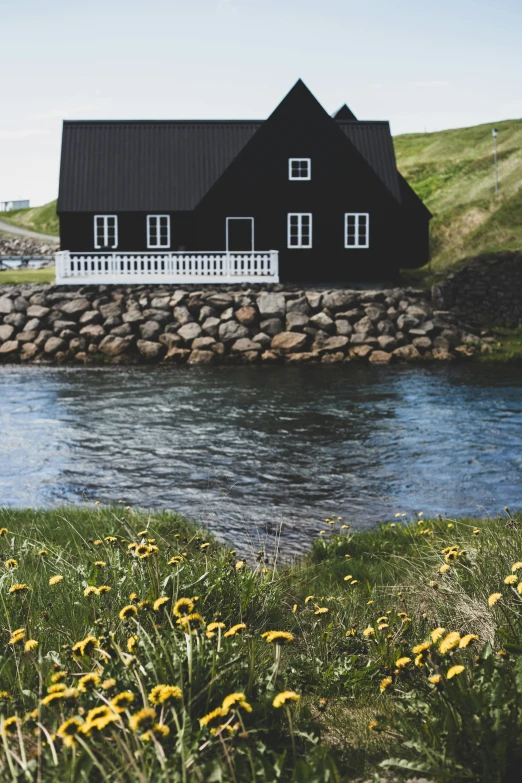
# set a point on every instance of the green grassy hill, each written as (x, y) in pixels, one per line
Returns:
(452, 171)
(43, 219)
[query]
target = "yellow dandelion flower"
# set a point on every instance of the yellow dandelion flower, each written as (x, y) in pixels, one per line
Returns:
(437, 634)
(204, 546)
(215, 626)
(419, 660)
(17, 636)
(519, 588)
(68, 730)
(294, 608)
(159, 602)
(369, 631)
(348, 578)
(516, 566)
(23, 588)
(476, 531)
(209, 717)
(435, 679)
(420, 648)
(321, 610)
(91, 590)
(57, 687)
(128, 611)
(110, 539)
(372, 725)
(283, 697)
(3, 531)
(162, 693)
(31, 644)
(85, 646)
(159, 731)
(511, 579)
(88, 682)
(449, 642)
(382, 626)
(279, 637)
(58, 676)
(10, 725)
(11, 563)
(444, 568)
(42, 552)
(308, 598)
(235, 628)
(400, 663)
(175, 560)
(183, 606)
(385, 683)
(493, 598)
(132, 641)
(98, 542)
(239, 565)
(469, 637)
(354, 581)
(55, 580)
(104, 589)
(108, 685)
(454, 671)
(100, 563)
(234, 699)
(122, 700)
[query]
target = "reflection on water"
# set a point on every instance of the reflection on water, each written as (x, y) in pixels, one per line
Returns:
(246, 449)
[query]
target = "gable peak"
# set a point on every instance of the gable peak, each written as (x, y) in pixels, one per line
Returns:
(344, 113)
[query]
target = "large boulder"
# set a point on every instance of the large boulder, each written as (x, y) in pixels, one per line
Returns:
(211, 325)
(149, 350)
(150, 330)
(246, 315)
(6, 332)
(299, 305)
(160, 302)
(231, 330)
(322, 321)
(75, 307)
(53, 345)
(220, 301)
(289, 342)
(245, 344)
(111, 308)
(271, 326)
(36, 311)
(91, 317)
(296, 321)
(112, 345)
(271, 305)
(183, 315)
(201, 357)
(334, 344)
(406, 352)
(93, 331)
(6, 305)
(133, 316)
(343, 327)
(380, 357)
(338, 300)
(190, 331)
(9, 348)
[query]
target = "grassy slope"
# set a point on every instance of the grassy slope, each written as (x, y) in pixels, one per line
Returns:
(452, 171)
(43, 219)
(394, 573)
(16, 276)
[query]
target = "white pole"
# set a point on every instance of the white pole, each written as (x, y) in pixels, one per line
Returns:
(495, 133)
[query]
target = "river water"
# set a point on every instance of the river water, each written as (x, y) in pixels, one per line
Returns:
(250, 451)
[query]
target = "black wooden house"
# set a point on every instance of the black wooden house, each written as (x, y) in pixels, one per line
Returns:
(323, 191)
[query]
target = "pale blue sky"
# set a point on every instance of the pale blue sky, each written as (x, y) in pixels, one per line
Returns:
(422, 64)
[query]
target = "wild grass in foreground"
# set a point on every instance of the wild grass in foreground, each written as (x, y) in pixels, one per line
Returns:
(135, 648)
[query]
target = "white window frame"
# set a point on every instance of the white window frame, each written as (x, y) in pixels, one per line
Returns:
(357, 244)
(300, 160)
(300, 216)
(158, 244)
(105, 221)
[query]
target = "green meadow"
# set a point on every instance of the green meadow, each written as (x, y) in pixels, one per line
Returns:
(136, 648)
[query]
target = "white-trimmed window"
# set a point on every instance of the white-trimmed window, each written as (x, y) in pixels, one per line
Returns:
(299, 168)
(158, 231)
(105, 232)
(299, 231)
(356, 229)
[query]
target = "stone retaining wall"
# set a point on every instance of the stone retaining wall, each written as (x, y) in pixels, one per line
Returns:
(137, 324)
(486, 292)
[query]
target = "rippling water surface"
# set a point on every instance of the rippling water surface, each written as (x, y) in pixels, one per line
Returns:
(246, 449)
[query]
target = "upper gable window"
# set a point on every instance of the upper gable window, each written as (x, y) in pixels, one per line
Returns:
(158, 231)
(357, 229)
(105, 232)
(299, 168)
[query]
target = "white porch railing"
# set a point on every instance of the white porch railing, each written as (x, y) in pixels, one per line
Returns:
(176, 267)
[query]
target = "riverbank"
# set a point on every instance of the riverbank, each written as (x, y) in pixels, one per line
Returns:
(373, 629)
(275, 324)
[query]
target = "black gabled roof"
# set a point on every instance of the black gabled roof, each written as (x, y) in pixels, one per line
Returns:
(374, 141)
(169, 165)
(143, 166)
